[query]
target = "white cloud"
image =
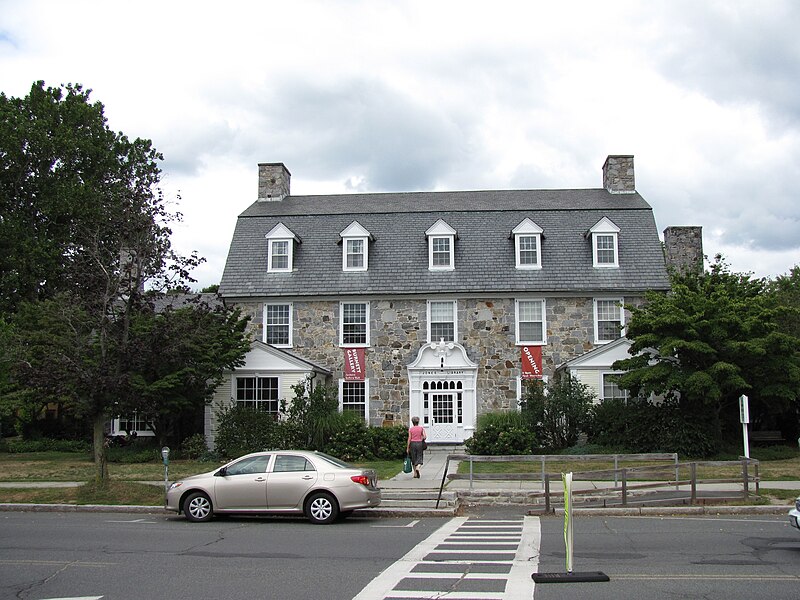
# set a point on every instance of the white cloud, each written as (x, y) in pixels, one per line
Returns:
(414, 95)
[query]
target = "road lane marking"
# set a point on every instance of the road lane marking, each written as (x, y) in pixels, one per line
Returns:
(68, 563)
(465, 559)
(412, 524)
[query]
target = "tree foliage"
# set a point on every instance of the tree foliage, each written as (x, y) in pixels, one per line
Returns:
(715, 336)
(84, 249)
(557, 412)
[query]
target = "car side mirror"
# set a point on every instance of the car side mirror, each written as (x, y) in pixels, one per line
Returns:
(221, 473)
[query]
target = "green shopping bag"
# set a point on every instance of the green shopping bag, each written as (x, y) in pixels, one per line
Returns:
(407, 467)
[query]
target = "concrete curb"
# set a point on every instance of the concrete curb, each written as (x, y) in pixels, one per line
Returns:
(668, 511)
(400, 512)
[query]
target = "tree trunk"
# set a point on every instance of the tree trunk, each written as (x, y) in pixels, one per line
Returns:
(100, 455)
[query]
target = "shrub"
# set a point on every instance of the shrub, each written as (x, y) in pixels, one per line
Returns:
(641, 426)
(389, 443)
(501, 433)
(350, 439)
(138, 450)
(47, 445)
(312, 416)
(194, 446)
(558, 413)
(241, 430)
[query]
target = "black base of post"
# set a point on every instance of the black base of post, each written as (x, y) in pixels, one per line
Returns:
(584, 577)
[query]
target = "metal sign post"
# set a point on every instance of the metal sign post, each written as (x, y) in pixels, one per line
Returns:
(744, 419)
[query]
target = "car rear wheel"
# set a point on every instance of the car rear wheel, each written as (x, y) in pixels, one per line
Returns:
(321, 508)
(197, 507)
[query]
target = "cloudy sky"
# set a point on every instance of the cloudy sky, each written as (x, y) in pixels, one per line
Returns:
(426, 95)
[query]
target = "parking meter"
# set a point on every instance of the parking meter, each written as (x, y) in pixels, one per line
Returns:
(165, 457)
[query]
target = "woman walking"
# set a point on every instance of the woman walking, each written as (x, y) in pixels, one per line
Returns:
(416, 444)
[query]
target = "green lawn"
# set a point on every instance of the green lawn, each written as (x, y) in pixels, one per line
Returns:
(124, 486)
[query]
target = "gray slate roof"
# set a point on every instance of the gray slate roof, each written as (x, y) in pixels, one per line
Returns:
(484, 250)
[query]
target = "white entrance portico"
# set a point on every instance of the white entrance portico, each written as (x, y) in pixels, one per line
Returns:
(442, 382)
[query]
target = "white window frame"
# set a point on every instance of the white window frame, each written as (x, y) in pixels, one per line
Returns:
(256, 376)
(620, 307)
(280, 234)
(290, 324)
(454, 304)
(342, 383)
(355, 233)
(342, 343)
(441, 231)
(346, 253)
(603, 374)
(525, 230)
(117, 429)
(518, 320)
(273, 254)
(603, 229)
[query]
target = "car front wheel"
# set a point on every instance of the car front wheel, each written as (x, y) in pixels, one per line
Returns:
(197, 507)
(321, 508)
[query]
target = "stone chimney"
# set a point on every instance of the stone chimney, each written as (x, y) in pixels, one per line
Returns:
(273, 182)
(618, 174)
(683, 249)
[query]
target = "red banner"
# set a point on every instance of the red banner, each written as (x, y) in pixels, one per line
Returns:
(531, 362)
(354, 364)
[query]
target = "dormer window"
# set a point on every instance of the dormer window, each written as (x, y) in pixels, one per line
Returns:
(441, 247)
(604, 243)
(280, 244)
(528, 245)
(355, 245)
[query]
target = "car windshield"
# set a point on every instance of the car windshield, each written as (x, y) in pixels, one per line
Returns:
(333, 460)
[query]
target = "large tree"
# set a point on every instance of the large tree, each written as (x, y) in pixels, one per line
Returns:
(715, 336)
(84, 227)
(178, 356)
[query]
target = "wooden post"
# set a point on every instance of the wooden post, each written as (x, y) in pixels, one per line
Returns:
(624, 487)
(693, 471)
(745, 479)
(547, 492)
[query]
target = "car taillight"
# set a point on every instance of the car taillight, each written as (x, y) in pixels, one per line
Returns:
(362, 479)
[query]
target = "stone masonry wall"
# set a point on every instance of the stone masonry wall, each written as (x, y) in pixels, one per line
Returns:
(398, 328)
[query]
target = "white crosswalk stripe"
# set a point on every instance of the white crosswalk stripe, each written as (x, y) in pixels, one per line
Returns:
(476, 559)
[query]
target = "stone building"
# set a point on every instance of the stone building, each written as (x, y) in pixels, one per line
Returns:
(435, 304)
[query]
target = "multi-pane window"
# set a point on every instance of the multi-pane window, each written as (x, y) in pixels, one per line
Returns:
(355, 244)
(260, 393)
(278, 324)
(531, 322)
(604, 243)
(611, 390)
(528, 250)
(279, 255)
(134, 422)
(608, 319)
(440, 252)
(355, 319)
(354, 397)
(606, 249)
(442, 321)
(354, 259)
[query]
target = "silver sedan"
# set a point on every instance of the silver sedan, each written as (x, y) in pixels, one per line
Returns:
(279, 482)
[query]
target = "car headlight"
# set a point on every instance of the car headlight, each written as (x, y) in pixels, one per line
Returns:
(175, 485)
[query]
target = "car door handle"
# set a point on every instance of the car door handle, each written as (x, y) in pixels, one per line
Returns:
(307, 477)
(260, 479)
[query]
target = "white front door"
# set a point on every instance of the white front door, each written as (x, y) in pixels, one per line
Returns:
(442, 416)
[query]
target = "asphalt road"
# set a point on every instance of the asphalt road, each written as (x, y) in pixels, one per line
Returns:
(132, 556)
